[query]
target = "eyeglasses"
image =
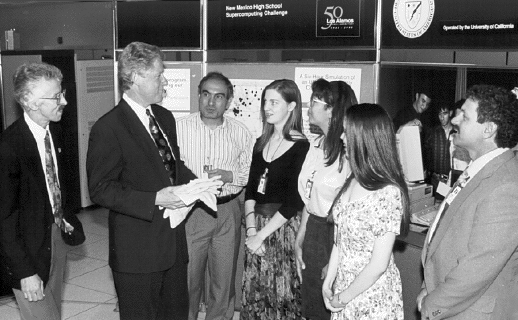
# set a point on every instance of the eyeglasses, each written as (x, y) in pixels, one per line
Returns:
(318, 101)
(58, 97)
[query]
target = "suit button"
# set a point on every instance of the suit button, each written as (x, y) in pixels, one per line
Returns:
(48, 248)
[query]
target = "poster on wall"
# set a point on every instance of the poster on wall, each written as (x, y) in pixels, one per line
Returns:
(246, 105)
(304, 77)
(178, 90)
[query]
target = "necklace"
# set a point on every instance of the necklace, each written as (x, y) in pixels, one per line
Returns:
(268, 150)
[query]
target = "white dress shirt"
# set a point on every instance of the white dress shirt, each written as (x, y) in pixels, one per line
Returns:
(228, 147)
(39, 134)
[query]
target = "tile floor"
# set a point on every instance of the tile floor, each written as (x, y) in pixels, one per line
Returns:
(88, 291)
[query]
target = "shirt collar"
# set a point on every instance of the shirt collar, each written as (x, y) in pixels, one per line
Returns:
(137, 108)
(37, 131)
(477, 165)
(200, 122)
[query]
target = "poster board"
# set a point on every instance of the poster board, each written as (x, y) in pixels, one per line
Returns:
(250, 79)
(182, 87)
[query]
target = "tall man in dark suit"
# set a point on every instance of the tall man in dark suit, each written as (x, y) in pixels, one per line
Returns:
(470, 256)
(35, 222)
(134, 169)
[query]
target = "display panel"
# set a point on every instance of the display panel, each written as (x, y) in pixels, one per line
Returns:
(444, 24)
(290, 24)
(165, 23)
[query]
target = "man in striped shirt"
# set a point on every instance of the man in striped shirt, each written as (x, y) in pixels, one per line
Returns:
(214, 144)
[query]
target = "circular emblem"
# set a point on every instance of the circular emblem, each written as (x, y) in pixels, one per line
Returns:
(413, 17)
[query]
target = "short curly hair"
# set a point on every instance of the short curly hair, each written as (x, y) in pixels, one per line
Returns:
(27, 76)
(497, 105)
(136, 57)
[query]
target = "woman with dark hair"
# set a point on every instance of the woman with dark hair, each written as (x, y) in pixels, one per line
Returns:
(322, 175)
(270, 283)
(363, 281)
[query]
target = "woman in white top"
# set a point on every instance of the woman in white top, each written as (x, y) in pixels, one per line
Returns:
(322, 175)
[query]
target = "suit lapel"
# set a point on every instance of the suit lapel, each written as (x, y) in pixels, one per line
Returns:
(30, 155)
(143, 139)
(463, 195)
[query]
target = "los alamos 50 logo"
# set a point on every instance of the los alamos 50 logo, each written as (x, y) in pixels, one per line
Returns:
(338, 18)
(413, 17)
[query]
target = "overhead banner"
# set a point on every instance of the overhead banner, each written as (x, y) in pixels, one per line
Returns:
(291, 24)
(447, 24)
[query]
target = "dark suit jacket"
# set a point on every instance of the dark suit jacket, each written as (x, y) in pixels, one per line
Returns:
(25, 211)
(471, 265)
(125, 172)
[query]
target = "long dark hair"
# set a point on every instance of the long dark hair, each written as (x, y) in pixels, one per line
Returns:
(290, 93)
(339, 96)
(372, 154)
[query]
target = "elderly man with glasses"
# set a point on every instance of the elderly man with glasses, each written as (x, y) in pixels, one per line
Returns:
(35, 221)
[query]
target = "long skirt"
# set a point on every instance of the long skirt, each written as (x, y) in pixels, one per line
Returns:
(271, 288)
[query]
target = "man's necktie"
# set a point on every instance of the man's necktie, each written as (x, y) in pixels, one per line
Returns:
(53, 183)
(457, 186)
(163, 147)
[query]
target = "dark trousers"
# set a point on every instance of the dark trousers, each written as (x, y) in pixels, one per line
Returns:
(157, 295)
(318, 244)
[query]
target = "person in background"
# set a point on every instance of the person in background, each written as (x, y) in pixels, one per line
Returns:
(470, 254)
(134, 169)
(214, 144)
(35, 221)
(413, 116)
(459, 156)
(322, 175)
(271, 288)
(369, 211)
(437, 160)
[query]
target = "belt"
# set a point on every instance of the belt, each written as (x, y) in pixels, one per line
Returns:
(228, 198)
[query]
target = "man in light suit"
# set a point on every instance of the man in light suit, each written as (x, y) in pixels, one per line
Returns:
(35, 221)
(470, 256)
(130, 172)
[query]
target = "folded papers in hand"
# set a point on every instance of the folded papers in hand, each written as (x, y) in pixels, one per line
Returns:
(199, 189)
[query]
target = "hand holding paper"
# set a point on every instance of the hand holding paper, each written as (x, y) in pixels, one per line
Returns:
(198, 189)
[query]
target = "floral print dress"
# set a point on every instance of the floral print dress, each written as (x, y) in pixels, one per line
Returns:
(358, 224)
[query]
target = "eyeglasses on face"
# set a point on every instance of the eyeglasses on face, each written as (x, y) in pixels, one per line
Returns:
(58, 96)
(315, 100)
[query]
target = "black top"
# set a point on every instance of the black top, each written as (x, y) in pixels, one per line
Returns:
(283, 174)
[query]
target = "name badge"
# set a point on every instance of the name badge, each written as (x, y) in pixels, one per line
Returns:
(453, 194)
(307, 191)
(261, 188)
